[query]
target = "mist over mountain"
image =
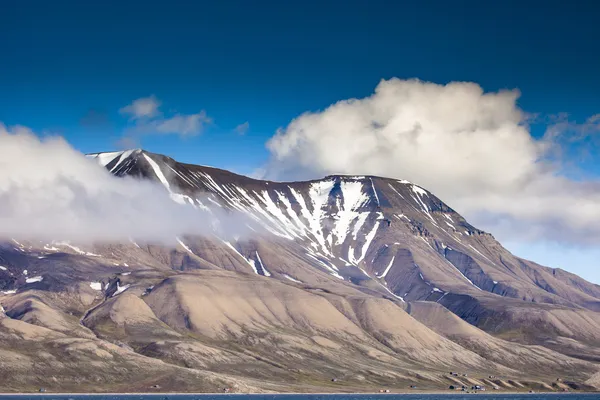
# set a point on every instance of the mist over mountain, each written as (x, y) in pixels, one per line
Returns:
(49, 191)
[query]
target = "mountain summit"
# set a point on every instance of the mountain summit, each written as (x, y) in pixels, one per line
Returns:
(364, 280)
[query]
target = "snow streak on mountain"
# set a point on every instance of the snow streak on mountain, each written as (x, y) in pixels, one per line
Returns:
(292, 281)
(362, 229)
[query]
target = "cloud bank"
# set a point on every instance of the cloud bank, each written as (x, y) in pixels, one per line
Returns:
(147, 118)
(472, 149)
(49, 191)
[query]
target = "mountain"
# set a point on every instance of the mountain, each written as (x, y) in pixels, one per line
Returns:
(347, 283)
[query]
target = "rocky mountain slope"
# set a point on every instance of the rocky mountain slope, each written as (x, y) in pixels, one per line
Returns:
(340, 284)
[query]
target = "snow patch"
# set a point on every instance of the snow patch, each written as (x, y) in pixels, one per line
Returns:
(368, 239)
(121, 289)
(392, 293)
(419, 191)
(182, 199)
(402, 216)
(276, 212)
(394, 189)
(478, 252)
(388, 268)
(249, 262)
(463, 275)
(374, 191)
(34, 279)
(292, 213)
(105, 158)
(182, 177)
(123, 157)
(216, 203)
(185, 247)
(359, 221)
(262, 266)
(425, 240)
(159, 174)
(286, 276)
(351, 258)
(76, 249)
(424, 207)
(318, 194)
(274, 225)
(96, 285)
(331, 270)
(353, 198)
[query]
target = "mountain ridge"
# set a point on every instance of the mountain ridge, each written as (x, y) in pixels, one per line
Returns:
(372, 281)
(423, 231)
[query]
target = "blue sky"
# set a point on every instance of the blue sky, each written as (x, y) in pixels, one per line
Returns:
(267, 62)
(68, 67)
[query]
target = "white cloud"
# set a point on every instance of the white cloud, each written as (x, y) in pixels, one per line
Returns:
(49, 191)
(242, 129)
(145, 107)
(472, 149)
(148, 119)
(185, 125)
